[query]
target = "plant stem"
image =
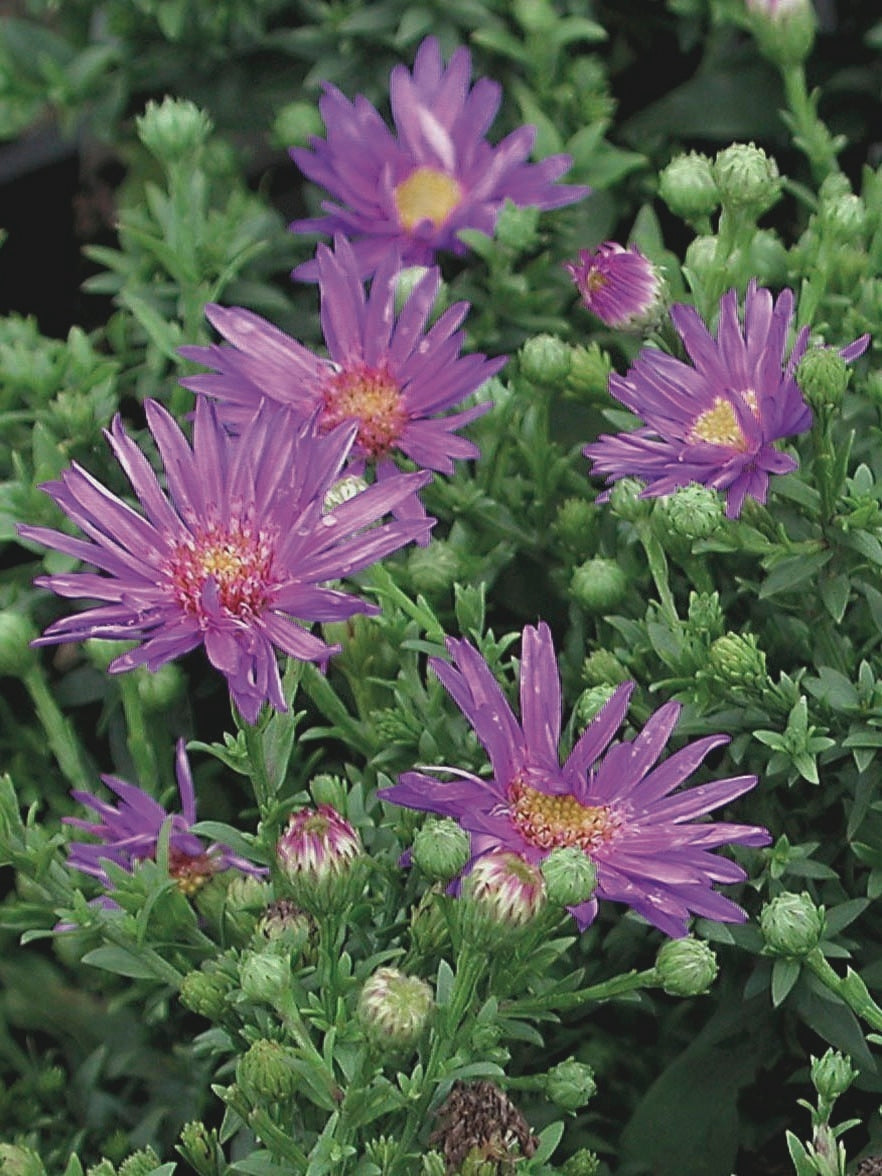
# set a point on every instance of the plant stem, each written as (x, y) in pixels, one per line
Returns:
(59, 732)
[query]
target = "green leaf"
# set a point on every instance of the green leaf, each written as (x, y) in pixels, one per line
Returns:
(548, 1141)
(122, 962)
(785, 973)
(834, 592)
(230, 837)
(789, 573)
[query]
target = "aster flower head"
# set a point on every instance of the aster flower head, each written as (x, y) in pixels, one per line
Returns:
(414, 190)
(714, 421)
(318, 842)
(129, 833)
(239, 545)
(615, 803)
(385, 373)
(621, 286)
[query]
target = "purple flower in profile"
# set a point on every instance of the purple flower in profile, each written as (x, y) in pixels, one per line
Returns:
(386, 373)
(619, 808)
(716, 420)
(129, 833)
(621, 286)
(414, 190)
(239, 546)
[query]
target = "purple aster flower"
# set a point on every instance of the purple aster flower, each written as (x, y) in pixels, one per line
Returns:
(619, 808)
(716, 420)
(386, 373)
(437, 174)
(240, 545)
(129, 833)
(621, 286)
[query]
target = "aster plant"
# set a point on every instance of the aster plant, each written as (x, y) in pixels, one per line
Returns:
(239, 545)
(618, 808)
(714, 421)
(414, 190)
(385, 373)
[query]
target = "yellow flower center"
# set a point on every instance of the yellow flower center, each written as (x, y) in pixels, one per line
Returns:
(551, 822)
(719, 425)
(426, 195)
(370, 397)
(237, 558)
(190, 873)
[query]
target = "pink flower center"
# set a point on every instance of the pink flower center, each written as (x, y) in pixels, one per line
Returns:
(237, 558)
(371, 397)
(551, 822)
(719, 425)
(428, 194)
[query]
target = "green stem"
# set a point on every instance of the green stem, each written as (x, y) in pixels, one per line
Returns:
(563, 1001)
(260, 781)
(59, 732)
(139, 743)
(811, 134)
(849, 988)
(658, 568)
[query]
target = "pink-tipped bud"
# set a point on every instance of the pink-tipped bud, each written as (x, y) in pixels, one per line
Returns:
(317, 853)
(506, 888)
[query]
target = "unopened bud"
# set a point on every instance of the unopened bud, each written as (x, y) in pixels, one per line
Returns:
(686, 967)
(688, 187)
(589, 372)
(267, 1070)
(620, 286)
(173, 130)
(434, 569)
(583, 1163)
(693, 512)
(598, 585)
(591, 702)
(625, 500)
(570, 876)
(517, 227)
(570, 1084)
(295, 123)
(736, 662)
(822, 377)
(394, 1009)
(576, 525)
(846, 217)
(441, 849)
(317, 853)
(747, 177)
(506, 888)
(546, 360)
(705, 615)
(832, 1074)
(140, 1163)
(342, 491)
(792, 925)
(205, 993)
(264, 976)
(784, 29)
(602, 668)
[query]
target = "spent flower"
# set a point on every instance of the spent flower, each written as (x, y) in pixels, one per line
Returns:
(239, 546)
(414, 190)
(623, 812)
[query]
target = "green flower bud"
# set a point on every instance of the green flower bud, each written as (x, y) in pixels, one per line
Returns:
(101, 653)
(602, 668)
(200, 1147)
(736, 662)
(441, 849)
(832, 1075)
(173, 130)
(705, 615)
(434, 1164)
(570, 876)
(570, 1084)
(19, 1161)
(591, 702)
(16, 634)
(576, 525)
(700, 257)
(266, 1071)
(264, 976)
(846, 217)
(589, 372)
(769, 258)
(158, 689)
(625, 500)
(247, 894)
(284, 924)
(693, 512)
(792, 925)
(394, 1009)
(470, 605)
(140, 1163)
(747, 178)
(295, 123)
(686, 967)
(784, 29)
(822, 376)
(434, 568)
(205, 993)
(583, 1163)
(517, 228)
(546, 360)
(598, 585)
(688, 187)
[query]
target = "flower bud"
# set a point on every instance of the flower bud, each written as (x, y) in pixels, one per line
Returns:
(832, 1075)
(589, 372)
(173, 130)
(686, 967)
(792, 925)
(317, 853)
(602, 668)
(505, 888)
(688, 187)
(441, 849)
(705, 615)
(434, 1164)
(284, 923)
(784, 29)
(693, 512)
(846, 217)
(591, 702)
(570, 876)
(394, 1009)
(295, 124)
(700, 257)
(517, 227)
(598, 585)
(747, 178)
(264, 976)
(19, 1161)
(434, 568)
(626, 502)
(205, 993)
(583, 1163)
(620, 286)
(140, 1163)
(266, 1071)
(16, 634)
(822, 377)
(570, 1084)
(200, 1147)
(576, 525)
(545, 360)
(736, 662)
(101, 653)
